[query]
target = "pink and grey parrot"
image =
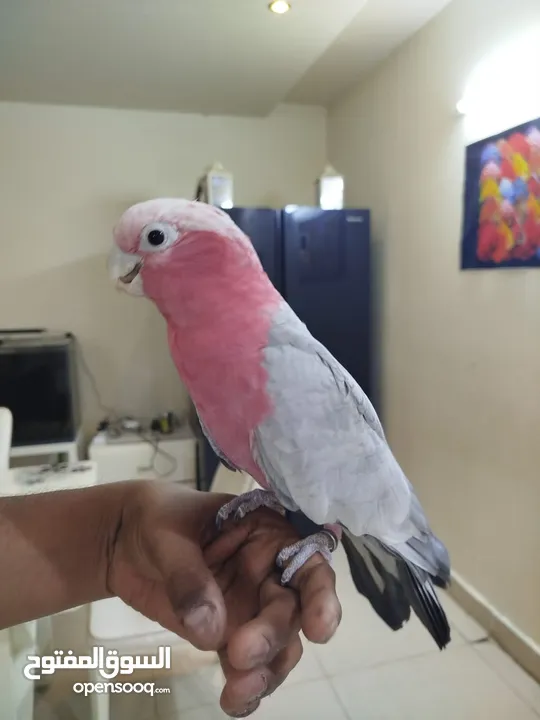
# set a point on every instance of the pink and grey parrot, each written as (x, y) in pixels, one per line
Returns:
(274, 403)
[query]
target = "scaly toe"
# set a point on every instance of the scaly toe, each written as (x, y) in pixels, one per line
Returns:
(240, 513)
(247, 503)
(220, 519)
(295, 556)
(287, 553)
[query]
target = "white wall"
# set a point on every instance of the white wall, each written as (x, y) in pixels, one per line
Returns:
(460, 351)
(66, 175)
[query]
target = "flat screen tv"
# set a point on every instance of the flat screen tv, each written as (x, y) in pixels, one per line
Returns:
(39, 384)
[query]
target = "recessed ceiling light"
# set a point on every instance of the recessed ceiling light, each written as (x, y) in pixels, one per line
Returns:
(279, 7)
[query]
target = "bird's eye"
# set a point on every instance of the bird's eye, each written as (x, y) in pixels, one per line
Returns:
(157, 237)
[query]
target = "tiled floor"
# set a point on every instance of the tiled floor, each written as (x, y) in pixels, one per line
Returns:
(366, 673)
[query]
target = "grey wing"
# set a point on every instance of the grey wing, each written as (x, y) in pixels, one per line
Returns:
(323, 445)
(228, 464)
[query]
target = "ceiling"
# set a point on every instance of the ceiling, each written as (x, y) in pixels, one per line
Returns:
(203, 56)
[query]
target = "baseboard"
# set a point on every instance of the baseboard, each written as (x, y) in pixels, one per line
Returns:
(523, 649)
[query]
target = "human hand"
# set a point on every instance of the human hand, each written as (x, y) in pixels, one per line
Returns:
(221, 590)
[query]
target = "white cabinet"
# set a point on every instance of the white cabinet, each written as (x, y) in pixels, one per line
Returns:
(148, 457)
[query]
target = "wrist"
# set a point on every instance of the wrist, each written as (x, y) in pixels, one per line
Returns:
(122, 515)
(94, 527)
(60, 543)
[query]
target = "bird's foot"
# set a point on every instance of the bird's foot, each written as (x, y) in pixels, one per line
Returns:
(323, 542)
(247, 503)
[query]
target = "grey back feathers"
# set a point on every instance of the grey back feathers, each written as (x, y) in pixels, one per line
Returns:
(324, 453)
(323, 446)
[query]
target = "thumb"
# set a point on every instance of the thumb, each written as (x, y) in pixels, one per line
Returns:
(196, 600)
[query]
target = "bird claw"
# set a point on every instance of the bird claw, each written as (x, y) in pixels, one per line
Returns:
(247, 503)
(323, 542)
(291, 558)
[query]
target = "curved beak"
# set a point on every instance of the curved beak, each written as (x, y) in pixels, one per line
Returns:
(131, 275)
(124, 269)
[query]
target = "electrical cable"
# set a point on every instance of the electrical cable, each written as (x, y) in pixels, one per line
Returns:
(115, 423)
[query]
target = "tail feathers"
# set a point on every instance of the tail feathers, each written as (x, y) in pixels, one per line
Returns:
(425, 603)
(393, 584)
(429, 554)
(426, 550)
(383, 590)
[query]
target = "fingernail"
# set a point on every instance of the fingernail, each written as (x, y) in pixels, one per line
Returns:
(264, 690)
(201, 618)
(330, 618)
(259, 654)
(331, 632)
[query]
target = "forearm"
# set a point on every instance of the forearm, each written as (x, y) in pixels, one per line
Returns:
(55, 548)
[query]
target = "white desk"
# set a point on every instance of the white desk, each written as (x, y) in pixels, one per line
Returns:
(72, 450)
(159, 457)
(15, 481)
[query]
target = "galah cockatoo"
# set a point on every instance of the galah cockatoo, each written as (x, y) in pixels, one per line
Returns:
(274, 403)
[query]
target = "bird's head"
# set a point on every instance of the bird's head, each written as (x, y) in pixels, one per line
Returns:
(158, 236)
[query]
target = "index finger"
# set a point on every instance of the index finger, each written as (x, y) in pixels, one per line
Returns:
(320, 608)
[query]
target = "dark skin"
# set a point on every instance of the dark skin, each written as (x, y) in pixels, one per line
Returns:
(155, 545)
(247, 615)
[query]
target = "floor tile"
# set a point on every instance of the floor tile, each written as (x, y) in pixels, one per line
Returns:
(133, 707)
(306, 701)
(468, 628)
(309, 667)
(456, 685)
(61, 706)
(190, 692)
(511, 673)
(43, 710)
(208, 712)
(365, 642)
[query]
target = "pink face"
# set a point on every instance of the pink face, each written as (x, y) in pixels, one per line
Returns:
(151, 233)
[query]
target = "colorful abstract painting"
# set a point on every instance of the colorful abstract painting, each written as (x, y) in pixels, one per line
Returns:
(502, 201)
